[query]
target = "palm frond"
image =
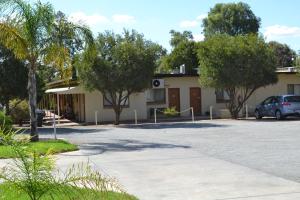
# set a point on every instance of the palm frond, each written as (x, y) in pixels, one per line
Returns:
(12, 39)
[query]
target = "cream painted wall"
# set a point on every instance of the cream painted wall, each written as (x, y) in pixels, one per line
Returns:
(278, 89)
(94, 102)
(209, 97)
(184, 84)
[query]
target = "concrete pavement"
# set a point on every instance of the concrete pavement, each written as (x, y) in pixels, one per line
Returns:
(208, 160)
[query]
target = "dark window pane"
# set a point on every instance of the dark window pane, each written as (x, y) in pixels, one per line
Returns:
(291, 99)
(291, 89)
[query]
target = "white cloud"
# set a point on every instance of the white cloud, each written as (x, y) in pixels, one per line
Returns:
(276, 31)
(91, 20)
(198, 37)
(188, 24)
(123, 19)
(201, 17)
(192, 23)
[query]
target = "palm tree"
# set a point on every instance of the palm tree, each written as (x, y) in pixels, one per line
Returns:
(29, 34)
(24, 35)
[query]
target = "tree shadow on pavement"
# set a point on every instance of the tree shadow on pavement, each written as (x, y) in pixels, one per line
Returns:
(66, 131)
(123, 146)
(173, 125)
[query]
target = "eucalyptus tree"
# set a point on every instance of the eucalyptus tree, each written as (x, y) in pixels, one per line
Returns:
(238, 65)
(232, 19)
(118, 66)
(13, 78)
(74, 38)
(184, 52)
(285, 56)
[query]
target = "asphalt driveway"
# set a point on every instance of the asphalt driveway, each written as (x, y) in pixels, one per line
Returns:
(207, 160)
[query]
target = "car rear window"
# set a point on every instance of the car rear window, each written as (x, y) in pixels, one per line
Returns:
(292, 99)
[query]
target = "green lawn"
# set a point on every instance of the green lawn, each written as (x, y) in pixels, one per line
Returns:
(56, 146)
(7, 192)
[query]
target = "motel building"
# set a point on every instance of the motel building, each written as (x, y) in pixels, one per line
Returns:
(181, 91)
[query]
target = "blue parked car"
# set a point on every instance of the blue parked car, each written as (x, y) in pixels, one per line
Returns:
(278, 107)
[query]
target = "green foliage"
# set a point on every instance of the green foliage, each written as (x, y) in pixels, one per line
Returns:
(5, 121)
(285, 56)
(170, 112)
(41, 147)
(33, 176)
(239, 65)
(19, 110)
(9, 192)
(26, 32)
(232, 19)
(184, 52)
(67, 39)
(297, 61)
(13, 78)
(119, 66)
(178, 37)
(33, 35)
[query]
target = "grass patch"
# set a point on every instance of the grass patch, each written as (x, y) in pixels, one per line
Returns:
(41, 147)
(9, 192)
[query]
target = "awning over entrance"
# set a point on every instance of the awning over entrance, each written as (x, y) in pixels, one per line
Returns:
(67, 102)
(67, 90)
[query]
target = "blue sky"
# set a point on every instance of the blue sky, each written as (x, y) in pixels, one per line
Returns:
(280, 20)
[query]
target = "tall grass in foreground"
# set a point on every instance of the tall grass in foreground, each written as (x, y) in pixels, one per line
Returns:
(34, 175)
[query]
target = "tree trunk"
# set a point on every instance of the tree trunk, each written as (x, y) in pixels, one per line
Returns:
(117, 119)
(32, 104)
(234, 114)
(117, 110)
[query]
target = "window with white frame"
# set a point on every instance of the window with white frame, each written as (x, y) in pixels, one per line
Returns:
(157, 96)
(107, 102)
(293, 89)
(221, 96)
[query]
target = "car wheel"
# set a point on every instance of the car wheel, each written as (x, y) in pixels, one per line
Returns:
(278, 115)
(257, 114)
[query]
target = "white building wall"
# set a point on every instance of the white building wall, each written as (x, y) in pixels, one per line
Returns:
(208, 96)
(279, 88)
(94, 102)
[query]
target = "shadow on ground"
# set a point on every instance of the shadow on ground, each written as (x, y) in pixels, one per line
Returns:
(172, 125)
(66, 131)
(272, 119)
(123, 146)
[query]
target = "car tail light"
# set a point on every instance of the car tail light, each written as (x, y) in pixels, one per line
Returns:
(286, 104)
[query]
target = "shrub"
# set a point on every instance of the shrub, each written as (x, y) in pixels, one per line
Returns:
(34, 174)
(19, 111)
(5, 121)
(170, 112)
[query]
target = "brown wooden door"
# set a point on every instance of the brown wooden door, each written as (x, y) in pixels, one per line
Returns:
(174, 98)
(195, 100)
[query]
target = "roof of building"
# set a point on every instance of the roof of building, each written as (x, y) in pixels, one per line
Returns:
(72, 83)
(287, 70)
(174, 75)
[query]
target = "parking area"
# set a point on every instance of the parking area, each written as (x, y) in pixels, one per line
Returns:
(207, 160)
